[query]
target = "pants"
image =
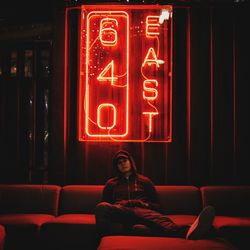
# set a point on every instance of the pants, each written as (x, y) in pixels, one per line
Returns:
(108, 215)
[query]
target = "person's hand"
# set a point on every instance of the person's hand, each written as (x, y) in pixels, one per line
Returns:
(138, 203)
(124, 203)
(132, 203)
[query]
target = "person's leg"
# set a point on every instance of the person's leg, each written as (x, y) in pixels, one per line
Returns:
(202, 225)
(111, 219)
(155, 220)
(106, 214)
(159, 223)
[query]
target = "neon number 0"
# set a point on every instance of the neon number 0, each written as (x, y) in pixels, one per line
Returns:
(100, 109)
(108, 35)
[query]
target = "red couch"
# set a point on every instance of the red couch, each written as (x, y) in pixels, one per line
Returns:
(2, 237)
(74, 227)
(232, 205)
(23, 209)
(54, 217)
(182, 204)
(160, 243)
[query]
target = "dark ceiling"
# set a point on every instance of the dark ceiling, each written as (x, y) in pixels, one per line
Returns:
(23, 11)
(18, 12)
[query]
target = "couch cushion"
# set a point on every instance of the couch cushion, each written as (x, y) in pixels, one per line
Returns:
(227, 200)
(182, 219)
(73, 219)
(2, 237)
(24, 220)
(69, 231)
(78, 199)
(234, 229)
(174, 199)
(29, 199)
(179, 199)
(22, 230)
(159, 243)
(229, 221)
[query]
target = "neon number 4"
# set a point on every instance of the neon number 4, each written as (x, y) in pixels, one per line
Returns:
(108, 74)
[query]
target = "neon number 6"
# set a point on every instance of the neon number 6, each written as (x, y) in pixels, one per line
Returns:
(108, 35)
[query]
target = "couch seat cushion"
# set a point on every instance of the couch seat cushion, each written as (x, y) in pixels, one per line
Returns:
(22, 230)
(160, 243)
(182, 219)
(70, 231)
(74, 219)
(229, 221)
(234, 229)
(2, 237)
(24, 219)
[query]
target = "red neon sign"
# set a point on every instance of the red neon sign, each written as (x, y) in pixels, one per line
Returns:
(125, 90)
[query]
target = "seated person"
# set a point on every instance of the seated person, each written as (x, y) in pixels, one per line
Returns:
(130, 199)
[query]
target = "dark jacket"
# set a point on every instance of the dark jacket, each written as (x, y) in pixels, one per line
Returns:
(136, 188)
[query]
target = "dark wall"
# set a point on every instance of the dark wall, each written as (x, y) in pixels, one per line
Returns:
(210, 106)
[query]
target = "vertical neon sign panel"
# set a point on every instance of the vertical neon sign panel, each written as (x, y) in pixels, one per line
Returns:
(125, 90)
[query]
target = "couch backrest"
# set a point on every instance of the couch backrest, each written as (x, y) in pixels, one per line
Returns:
(179, 199)
(174, 199)
(227, 200)
(79, 198)
(29, 199)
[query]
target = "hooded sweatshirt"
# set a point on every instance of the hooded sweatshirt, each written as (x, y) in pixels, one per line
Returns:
(134, 188)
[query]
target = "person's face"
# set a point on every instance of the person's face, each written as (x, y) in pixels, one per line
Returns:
(124, 165)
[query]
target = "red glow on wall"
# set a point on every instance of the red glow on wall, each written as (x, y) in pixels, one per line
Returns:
(125, 84)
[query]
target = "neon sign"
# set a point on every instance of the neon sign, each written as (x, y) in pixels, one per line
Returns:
(125, 84)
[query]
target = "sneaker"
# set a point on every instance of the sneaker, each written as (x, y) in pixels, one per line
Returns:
(202, 224)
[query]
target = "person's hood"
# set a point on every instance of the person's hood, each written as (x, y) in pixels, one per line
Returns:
(119, 154)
